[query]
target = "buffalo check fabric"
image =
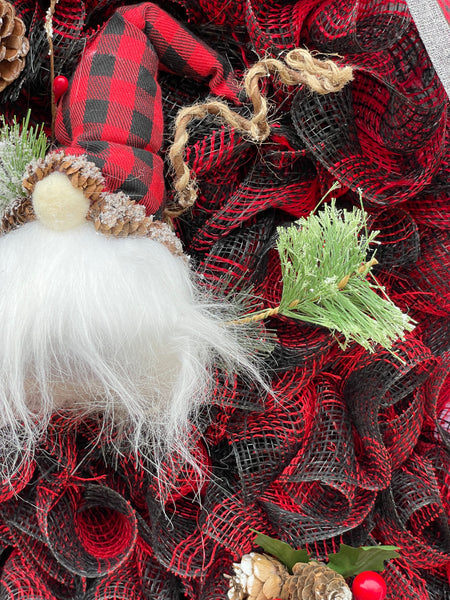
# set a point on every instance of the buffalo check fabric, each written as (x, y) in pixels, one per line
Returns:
(113, 110)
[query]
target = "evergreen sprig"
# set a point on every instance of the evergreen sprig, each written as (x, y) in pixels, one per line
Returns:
(325, 263)
(19, 145)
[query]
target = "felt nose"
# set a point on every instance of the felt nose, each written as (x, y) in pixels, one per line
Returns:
(57, 204)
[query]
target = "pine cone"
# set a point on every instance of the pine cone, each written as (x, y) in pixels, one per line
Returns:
(83, 175)
(162, 233)
(116, 214)
(14, 45)
(16, 214)
(315, 581)
(257, 577)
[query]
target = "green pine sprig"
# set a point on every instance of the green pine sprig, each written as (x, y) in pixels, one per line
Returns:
(326, 262)
(19, 145)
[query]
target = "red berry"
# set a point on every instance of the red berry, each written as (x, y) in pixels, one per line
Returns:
(369, 585)
(60, 86)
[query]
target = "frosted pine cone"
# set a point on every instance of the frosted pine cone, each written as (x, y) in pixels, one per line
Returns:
(83, 174)
(315, 581)
(17, 213)
(115, 214)
(14, 45)
(257, 577)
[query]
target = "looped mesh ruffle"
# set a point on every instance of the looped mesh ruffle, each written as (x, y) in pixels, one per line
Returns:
(105, 530)
(13, 485)
(437, 419)
(425, 284)
(356, 148)
(19, 582)
(398, 238)
(71, 532)
(378, 388)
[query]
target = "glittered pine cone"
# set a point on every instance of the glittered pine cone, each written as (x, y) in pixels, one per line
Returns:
(14, 45)
(116, 214)
(16, 214)
(257, 577)
(83, 175)
(315, 581)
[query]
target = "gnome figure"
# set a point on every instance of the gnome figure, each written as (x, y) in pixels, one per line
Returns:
(99, 311)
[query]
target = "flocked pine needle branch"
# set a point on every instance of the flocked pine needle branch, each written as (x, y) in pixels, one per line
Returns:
(326, 267)
(19, 145)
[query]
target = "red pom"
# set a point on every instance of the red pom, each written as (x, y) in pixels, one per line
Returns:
(369, 585)
(60, 86)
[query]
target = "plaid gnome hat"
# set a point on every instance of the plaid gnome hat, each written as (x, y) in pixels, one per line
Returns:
(112, 112)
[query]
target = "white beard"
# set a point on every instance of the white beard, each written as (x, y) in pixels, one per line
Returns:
(105, 326)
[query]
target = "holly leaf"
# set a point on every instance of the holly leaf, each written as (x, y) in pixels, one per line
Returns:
(351, 561)
(285, 553)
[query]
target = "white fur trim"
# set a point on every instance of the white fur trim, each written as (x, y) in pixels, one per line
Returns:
(109, 326)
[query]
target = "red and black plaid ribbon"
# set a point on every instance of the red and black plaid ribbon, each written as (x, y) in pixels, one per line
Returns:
(112, 112)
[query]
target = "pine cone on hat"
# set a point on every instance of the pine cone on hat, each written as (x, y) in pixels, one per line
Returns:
(315, 581)
(117, 215)
(14, 45)
(257, 577)
(18, 212)
(83, 175)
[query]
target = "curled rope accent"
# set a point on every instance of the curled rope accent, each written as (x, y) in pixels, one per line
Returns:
(321, 76)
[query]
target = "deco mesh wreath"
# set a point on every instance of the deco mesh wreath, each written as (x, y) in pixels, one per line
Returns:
(351, 447)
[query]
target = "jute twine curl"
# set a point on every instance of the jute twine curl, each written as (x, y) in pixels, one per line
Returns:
(300, 67)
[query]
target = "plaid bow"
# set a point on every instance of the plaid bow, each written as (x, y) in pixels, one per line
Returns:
(112, 112)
